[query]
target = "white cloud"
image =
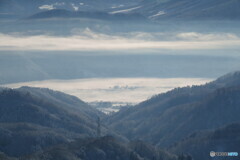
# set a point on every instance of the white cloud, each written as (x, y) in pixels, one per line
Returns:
(89, 40)
(206, 37)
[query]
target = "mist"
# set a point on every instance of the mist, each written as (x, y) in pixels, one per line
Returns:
(89, 40)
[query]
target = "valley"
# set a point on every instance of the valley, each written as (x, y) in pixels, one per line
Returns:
(119, 79)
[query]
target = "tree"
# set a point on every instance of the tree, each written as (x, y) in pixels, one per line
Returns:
(184, 157)
(98, 127)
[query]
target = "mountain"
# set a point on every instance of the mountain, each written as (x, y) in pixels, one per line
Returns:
(64, 100)
(173, 9)
(23, 8)
(169, 117)
(60, 13)
(35, 118)
(200, 144)
(5, 157)
(104, 148)
(77, 66)
(154, 9)
(191, 9)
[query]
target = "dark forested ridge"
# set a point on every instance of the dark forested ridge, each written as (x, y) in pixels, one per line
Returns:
(220, 140)
(52, 125)
(169, 117)
(105, 148)
(46, 124)
(35, 118)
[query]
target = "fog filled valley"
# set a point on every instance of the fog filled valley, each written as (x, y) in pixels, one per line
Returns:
(119, 80)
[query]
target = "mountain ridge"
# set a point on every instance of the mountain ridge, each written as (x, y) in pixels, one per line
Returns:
(193, 9)
(180, 111)
(103, 148)
(100, 15)
(154, 9)
(200, 144)
(37, 118)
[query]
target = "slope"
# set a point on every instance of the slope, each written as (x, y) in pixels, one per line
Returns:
(199, 144)
(35, 118)
(104, 148)
(192, 9)
(169, 117)
(100, 15)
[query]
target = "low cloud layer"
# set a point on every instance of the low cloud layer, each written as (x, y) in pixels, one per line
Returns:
(89, 40)
(126, 90)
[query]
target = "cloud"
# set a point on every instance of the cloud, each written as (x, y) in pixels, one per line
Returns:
(206, 37)
(89, 40)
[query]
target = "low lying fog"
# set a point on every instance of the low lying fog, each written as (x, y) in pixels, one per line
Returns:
(86, 39)
(127, 90)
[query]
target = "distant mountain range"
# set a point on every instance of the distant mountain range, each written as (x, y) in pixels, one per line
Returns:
(191, 9)
(49, 66)
(167, 118)
(153, 9)
(61, 13)
(21, 8)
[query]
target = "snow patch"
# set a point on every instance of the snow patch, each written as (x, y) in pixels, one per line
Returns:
(117, 6)
(47, 7)
(158, 14)
(125, 10)
(59, 3)
(75, 7)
